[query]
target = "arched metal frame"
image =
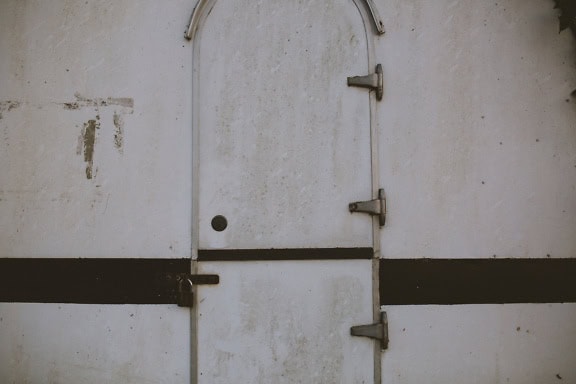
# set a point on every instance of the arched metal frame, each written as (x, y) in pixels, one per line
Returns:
(373, 25)
(199, 11)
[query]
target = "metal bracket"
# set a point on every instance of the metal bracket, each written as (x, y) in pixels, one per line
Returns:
(378, 331)
(187, 281)
(373, 81)
(376, 207)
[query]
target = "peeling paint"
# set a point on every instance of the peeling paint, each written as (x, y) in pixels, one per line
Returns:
(71, 105)
(88, 140)
(119, 132)
(82, 101)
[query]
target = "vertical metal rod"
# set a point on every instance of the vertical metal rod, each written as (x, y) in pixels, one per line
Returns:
(194, 329)
(195, 235)
(375, 173)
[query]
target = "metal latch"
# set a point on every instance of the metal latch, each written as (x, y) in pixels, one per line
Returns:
(373, 81)
(378, 331)
(186, 283)
(376, 207)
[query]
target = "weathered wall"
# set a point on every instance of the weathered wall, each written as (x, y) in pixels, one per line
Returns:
(477, 156)
(95, 106)
(478, 130)
(95, 150)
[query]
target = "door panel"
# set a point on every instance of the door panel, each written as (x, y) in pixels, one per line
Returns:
(283, 148)
(284, 144)
(285, 322)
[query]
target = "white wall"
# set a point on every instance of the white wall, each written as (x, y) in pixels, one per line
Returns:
(131, 56)
(478, 130)
(137, 203)
(478, 158)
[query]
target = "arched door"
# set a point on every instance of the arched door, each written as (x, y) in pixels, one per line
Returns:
(282, 146)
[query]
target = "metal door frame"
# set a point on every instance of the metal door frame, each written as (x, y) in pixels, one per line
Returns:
(372, 25)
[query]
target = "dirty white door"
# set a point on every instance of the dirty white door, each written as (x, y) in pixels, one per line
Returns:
(283, 145)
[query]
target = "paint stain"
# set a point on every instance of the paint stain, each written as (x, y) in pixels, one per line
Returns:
(82, 101)
(7, 106)
(71, 106)
(88, 141)
(119, 131)
(86, 102)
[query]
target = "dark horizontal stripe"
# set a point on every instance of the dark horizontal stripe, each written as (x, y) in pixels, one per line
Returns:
(402, 281)
(285, 254)
(477, 281)
(91, 281)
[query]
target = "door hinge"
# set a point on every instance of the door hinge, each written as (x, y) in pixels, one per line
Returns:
(378, 331)
(376, 207)
(373, 81)
(186, 283)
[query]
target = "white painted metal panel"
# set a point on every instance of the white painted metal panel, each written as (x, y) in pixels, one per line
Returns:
(68, 343)
(284, 144)
(512, 343)
(122, 70)
(477, 150)
(477, 130)
(63, 65)
(285, 322)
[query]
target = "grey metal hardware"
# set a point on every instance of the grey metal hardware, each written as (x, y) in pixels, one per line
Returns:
(378, 331)
(376, 207)
(203, 5)
(186, 284)
(373, 81)
(375, 16)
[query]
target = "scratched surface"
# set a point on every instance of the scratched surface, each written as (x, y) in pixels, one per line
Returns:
(284, 143)
(95, 151)
(478, 158)
(73, 343)
(477, 138)
(95, 137)
(285, 322)
(284, 146)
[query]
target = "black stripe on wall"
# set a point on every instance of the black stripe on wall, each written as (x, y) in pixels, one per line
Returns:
(91, 281)
(402, 281)
(477, 281)
(285, 254)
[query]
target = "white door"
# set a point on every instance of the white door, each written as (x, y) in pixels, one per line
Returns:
(282, 148)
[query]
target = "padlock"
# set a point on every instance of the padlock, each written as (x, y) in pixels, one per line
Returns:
(185, 292)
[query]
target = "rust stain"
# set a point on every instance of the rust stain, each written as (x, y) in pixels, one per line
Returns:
(88, 140)
(119, 132)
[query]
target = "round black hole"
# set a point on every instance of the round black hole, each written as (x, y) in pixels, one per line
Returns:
(219, 223)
